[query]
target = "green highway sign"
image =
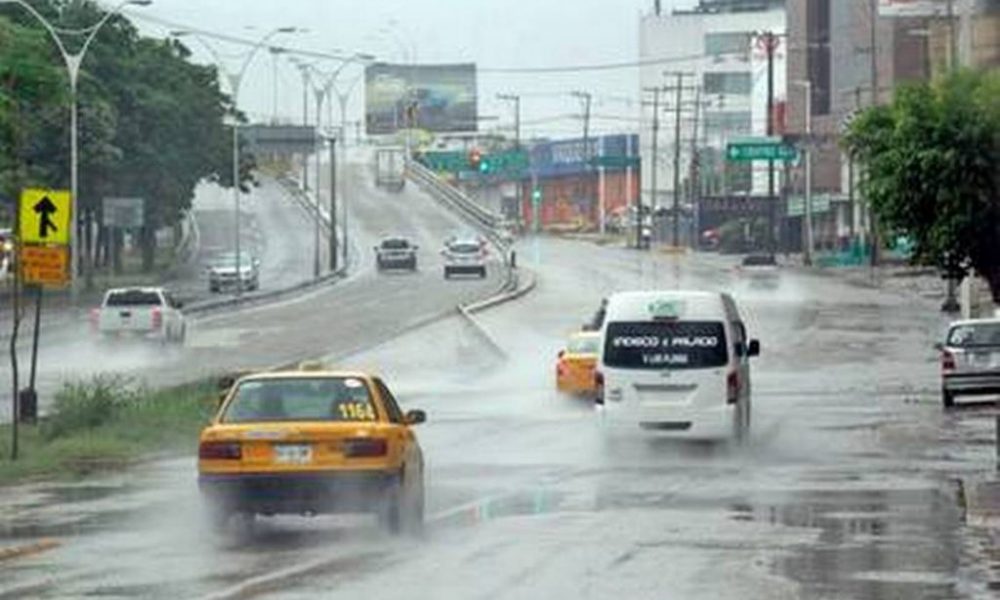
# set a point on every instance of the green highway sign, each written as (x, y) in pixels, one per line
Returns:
(507, 163)
(760, 149)
(616, 162)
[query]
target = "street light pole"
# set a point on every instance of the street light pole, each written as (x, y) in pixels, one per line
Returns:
(807, 255)
(235, 81)
(73, 61)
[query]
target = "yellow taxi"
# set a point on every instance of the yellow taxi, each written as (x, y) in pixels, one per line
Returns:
(312, 442)
(576, 364)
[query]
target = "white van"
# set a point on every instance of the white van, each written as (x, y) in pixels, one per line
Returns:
(676, 364)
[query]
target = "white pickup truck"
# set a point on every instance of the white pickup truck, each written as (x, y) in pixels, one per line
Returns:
(147, 313)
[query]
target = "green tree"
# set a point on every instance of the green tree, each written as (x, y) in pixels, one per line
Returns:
(32, 101)
(931, 160)
(151, 123)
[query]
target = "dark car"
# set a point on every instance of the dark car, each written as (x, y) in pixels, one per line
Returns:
(396, 253)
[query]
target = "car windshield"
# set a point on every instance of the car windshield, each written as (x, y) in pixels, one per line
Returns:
(305, 399)
(464, 247)
(975, 334)
(583, 345)
(395, 244)
(134, 298)
(665, 345)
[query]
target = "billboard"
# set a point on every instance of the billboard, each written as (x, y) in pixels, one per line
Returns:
(912, 8)
(433, 97)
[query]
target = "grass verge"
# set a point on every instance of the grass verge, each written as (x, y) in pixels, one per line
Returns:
(104, 423)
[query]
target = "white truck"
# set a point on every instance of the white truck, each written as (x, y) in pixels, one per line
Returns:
(140, 313)
(390, 168)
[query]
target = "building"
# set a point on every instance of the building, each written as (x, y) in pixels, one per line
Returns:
(715, 52)
(572, 186)
(834, 47)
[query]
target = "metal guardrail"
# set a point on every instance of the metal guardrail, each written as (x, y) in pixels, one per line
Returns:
(488, 222)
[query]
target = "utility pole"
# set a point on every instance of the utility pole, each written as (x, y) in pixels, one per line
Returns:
(517, 143)
(676, 242)
(694, 169)
(587, 98)
(952, 36)
(677, 161)
(653, 169)
(873, 39)
(770, 41)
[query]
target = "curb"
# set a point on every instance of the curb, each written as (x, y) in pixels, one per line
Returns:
(28, 549)
(505, 296)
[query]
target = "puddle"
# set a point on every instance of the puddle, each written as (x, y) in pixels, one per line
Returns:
(870, 543)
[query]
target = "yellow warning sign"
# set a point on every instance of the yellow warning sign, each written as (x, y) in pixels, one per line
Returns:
(45, 265)
(44, 217)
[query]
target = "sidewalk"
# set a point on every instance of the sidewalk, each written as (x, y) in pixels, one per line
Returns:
(925, 282)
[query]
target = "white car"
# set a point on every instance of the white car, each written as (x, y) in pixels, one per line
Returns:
(140, 313)
(675, 364)
(970, 359)
(464, 256)
(222, 272)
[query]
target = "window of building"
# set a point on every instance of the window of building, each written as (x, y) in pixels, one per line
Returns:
(729, 43)
(818, 54)
(728, 123)
(733, 82)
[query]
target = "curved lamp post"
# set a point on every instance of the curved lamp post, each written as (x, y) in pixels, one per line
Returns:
(235, 80)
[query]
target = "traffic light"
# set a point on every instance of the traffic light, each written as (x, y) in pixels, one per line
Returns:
(475, 159)
(484, 165)
(536, 195)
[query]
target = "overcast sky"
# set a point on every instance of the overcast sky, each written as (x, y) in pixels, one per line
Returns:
(491, 33)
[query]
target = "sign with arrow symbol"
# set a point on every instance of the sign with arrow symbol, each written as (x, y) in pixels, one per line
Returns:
(44, 217)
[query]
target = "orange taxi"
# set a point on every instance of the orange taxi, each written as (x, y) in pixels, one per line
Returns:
(576, 364)
(311, 442)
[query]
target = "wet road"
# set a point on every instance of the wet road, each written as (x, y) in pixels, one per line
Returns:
(362, 310)
(850, 486)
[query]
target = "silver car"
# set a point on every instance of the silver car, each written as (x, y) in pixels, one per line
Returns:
(222, 272)
(970, 359)
(464, 256)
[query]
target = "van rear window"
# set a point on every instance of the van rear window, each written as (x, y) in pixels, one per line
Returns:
(665, 345)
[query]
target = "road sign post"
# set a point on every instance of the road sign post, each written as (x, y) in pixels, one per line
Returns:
(44, 233)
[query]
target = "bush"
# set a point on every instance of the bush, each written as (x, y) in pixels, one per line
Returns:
(82, 406)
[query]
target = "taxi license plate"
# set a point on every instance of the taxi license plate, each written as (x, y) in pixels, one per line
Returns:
(293, 454)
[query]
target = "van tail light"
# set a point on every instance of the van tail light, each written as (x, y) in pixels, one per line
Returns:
(599, 387)
(364, 447)
(220, 451)
(947, 361)
(157, 318)
(733, 388)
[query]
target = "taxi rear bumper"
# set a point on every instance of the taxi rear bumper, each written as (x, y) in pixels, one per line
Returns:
(297, 493)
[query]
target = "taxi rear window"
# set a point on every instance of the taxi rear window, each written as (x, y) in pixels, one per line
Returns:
(305, 399)
(583, 345)
(665, 345)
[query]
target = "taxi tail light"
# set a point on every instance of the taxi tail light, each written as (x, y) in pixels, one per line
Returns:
(365, 447)
(947, 361)
(599, 387)
(157, 318)
(732, 388)
(220, 451)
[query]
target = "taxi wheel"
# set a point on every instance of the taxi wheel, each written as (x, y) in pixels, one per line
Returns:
(403, 510)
